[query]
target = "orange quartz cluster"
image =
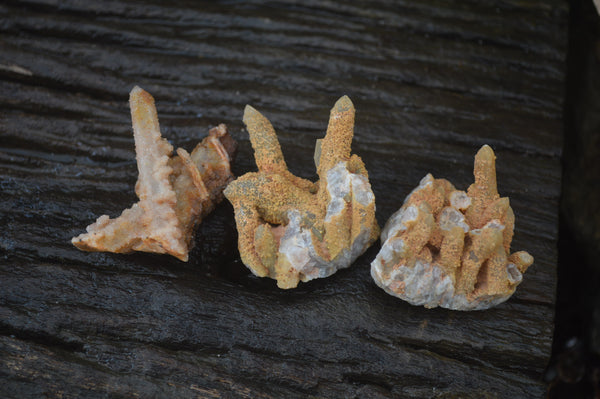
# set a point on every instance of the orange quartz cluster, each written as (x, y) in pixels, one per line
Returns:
(175, 192)
(449, 248)
(292, 229)
(443, 247)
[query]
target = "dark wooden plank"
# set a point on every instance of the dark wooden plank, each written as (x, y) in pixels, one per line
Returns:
(431, 81)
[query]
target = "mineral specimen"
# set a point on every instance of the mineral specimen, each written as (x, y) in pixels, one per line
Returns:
(292, 229)
(448, 248)
(175, 192)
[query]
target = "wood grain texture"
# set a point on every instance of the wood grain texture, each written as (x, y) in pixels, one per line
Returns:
(431, 81)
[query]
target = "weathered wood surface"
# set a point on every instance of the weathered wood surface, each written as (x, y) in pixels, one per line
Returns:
(431, 81)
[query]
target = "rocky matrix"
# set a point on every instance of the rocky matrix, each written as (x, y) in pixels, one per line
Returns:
(450, 248)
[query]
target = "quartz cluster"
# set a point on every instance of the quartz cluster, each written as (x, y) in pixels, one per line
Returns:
(450, 248)
(443, 247)
(175, 191)
(292, 229)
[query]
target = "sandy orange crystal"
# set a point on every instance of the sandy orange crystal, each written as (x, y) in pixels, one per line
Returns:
(175, 191)
(292, 229)
(451, 248)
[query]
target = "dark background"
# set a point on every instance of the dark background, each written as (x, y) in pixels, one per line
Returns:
(431, 80)
(574, 370)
